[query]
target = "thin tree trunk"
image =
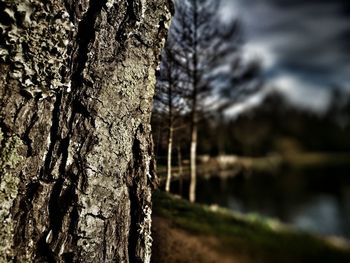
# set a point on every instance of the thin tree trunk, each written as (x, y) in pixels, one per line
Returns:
(193, 150)
(170, 146)
(192, 194)
(220, 137)
(76, 86)
(179, 163)
(170, 132)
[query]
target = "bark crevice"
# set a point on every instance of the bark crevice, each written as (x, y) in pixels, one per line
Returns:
(85, 35)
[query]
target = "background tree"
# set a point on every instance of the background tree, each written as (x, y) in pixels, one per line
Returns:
(169, 101)
(207, 51)
(76, 86)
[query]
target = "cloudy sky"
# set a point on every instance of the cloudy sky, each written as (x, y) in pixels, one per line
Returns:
(304, 45)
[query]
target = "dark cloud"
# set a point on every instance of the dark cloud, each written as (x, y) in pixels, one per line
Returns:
(305, 40)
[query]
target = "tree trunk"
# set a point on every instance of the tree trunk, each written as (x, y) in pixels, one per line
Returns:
(170, 134)
(76, 86)
(193, 164)
(193, 150)
(179, 164)
(170, 146)
(221, 135)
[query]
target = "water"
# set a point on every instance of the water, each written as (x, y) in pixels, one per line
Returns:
(317, 201)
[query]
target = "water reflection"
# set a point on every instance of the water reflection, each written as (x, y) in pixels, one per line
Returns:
(315, 201)
(321, 215)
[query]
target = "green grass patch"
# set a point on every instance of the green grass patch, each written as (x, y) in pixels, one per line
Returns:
(261, 239)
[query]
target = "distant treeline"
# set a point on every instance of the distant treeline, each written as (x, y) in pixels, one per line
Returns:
(275, 126)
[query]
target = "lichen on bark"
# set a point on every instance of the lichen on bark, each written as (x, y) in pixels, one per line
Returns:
(9, 159)
(39, 58)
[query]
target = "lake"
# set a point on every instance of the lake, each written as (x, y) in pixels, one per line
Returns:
(315, 200)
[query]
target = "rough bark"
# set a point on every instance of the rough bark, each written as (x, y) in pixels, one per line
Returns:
(76, 87)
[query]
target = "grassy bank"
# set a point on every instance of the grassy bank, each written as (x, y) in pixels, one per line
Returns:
(253, 239)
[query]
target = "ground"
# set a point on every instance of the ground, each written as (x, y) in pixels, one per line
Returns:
(175, 245)
(184, 232)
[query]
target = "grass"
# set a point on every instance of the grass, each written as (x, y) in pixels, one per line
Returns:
(260, 239)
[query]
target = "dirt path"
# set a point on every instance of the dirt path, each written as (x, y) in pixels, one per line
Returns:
(174, 245)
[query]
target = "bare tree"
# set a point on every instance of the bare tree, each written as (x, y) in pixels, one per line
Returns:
(76, 160)
(200, 46)
(169, 100)
(207, 52)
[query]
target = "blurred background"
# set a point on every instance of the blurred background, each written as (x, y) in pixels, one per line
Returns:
(264, 85)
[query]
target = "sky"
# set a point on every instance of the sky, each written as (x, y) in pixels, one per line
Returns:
(304, 45)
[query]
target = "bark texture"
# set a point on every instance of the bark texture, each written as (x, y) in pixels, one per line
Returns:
(76, 87)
